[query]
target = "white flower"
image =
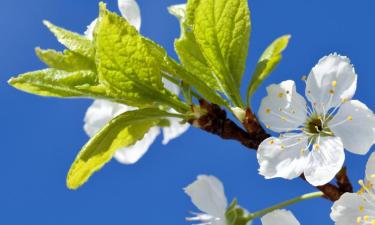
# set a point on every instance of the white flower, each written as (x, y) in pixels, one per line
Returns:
(358, 208)
(102, 111)
(313, 139)
(207, 194)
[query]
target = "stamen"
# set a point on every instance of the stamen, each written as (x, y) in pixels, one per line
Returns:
(280, 95)
(334, 83)
(366, 188)
(331, 91)
(268, 111)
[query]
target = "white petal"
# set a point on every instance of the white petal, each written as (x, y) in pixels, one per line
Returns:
(175, 89)
(100, 113)
(349, 208)
(370, 168)
(325, 161)
(283, 109)
(132, 154)
(131, 12)
(330, 82)
(279, 217)
(207, 194)
(283, 157)
(174, 130)
(89, 33)
(354, 123)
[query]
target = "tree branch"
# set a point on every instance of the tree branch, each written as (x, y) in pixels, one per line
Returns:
(215, 121)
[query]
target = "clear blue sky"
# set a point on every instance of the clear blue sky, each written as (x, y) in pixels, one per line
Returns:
(41, 136)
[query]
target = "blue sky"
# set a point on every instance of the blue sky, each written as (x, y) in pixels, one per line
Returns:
(41, 136)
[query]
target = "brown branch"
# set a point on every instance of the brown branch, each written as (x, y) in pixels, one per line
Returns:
(215, 121)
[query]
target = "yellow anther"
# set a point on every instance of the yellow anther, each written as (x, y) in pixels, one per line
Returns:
(331, 91)
(280, 95)
(365, 218)
(316, 146)
(283, 118)
(334, 83)
(343, 100)
(304, 77)
(268, 126)
(372, 222)
(350, 118)
(359, 219)
(372, 176)
(272, 142)
(268, 111)
(319, 117)
(361, 208)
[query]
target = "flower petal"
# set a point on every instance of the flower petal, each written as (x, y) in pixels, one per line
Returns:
(100, 113)
(330, 82)
(370, 169)
(283, 157)
(174, 130)
(131, 12)
(279, 217)
(175, 89)
(351, 209)
(354, 123)
(132, 154)
(207, 194)
(283, 109)
(325, 161)
(89, 33)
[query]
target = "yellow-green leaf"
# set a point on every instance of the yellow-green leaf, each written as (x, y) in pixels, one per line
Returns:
(267, 63)
(56, 83)
(67, 60)
(222, 30)
(188, 49)
(72, 41)
(123, 131)
(128, 65)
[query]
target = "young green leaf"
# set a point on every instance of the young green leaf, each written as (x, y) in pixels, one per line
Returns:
(267, 63)
(222, 30)
(72, 41)
(56, 83)
(188, 49)
(67, 60)
(123, 131)
(128, 65)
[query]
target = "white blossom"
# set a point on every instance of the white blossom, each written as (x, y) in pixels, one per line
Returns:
(102, 111)
(207, 194)
(358, 208)
(312, 139)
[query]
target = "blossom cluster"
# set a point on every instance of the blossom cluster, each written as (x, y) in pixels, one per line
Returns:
(309, 134)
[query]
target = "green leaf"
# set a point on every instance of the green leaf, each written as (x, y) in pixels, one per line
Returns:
(122, 131)
(128, 65)
(57, 83)
(222, 30)
(67, 60)
(72, 41)
(267, 63)
(188, 49)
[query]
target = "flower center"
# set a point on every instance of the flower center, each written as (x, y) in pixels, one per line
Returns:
(317, 125)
